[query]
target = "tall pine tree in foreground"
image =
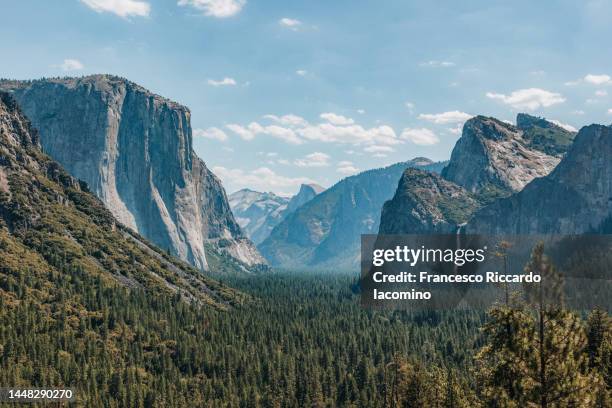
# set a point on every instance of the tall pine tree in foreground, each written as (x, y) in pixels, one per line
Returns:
(536, 351)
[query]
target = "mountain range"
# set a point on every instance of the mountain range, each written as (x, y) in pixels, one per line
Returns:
(501, 179)
(258, 213)
(325, 232)
(134, 150)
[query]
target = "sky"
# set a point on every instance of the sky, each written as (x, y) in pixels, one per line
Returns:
(288, 92)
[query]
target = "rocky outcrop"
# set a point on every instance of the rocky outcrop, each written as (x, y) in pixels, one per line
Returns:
(325, 232)
(425, 203)
(134, 150)
(258, 213)
(494, 158)
(575, 198)
(543, 135)
(307, 192)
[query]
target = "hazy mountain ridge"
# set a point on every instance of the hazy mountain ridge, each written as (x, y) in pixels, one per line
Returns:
(258, 213)
(134, 150)
(325, 232)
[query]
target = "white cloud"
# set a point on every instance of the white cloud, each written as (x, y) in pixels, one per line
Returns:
(353, 134)
(530, 98)
(361, 111)
(71, 65)
(458, 129)
(346, 167)
(246, 133)
(578, 112)
(421, 137)
(601, 93)
(316, 159)
(254, 128)
(437, 64)
(262, 179)
(279, 132)
(291, 23)
(223, 82)
(592, 79)
(211, 133)
(609, 111)
(598, 79)
(347, 170)
(337, 119)
(335, 129)
(215, 8)
(564, 125)
(446, 118)
(288, 120)
(301, 72)
(410, 107)
(122, 8)
(378, 149)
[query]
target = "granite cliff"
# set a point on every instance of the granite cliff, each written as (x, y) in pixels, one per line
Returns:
(55, 235)
(491, 160)
(575, 198)
(495, 158)
(134, 150)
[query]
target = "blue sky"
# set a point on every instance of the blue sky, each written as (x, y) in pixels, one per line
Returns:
(285, 92)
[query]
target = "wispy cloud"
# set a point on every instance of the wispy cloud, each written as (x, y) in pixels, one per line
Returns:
(301, 72)
(71, 65)
(290, 23)
(421, 137)
(346, 168)
(593, 79)
(316, 159)
(215, 8)
(253, 129)
(333, 129)
(564, 125)
(598, 79)
(122, 8)
(530, 99)
(337, 119)
(445, 118)
(262, 179)
(211, 133)
(287, 120)
(223, 82)
(437, 64)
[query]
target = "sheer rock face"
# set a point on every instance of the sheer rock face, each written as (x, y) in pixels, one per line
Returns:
(493, 156)
(575, 198)
(425, 203)
(134, 150)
